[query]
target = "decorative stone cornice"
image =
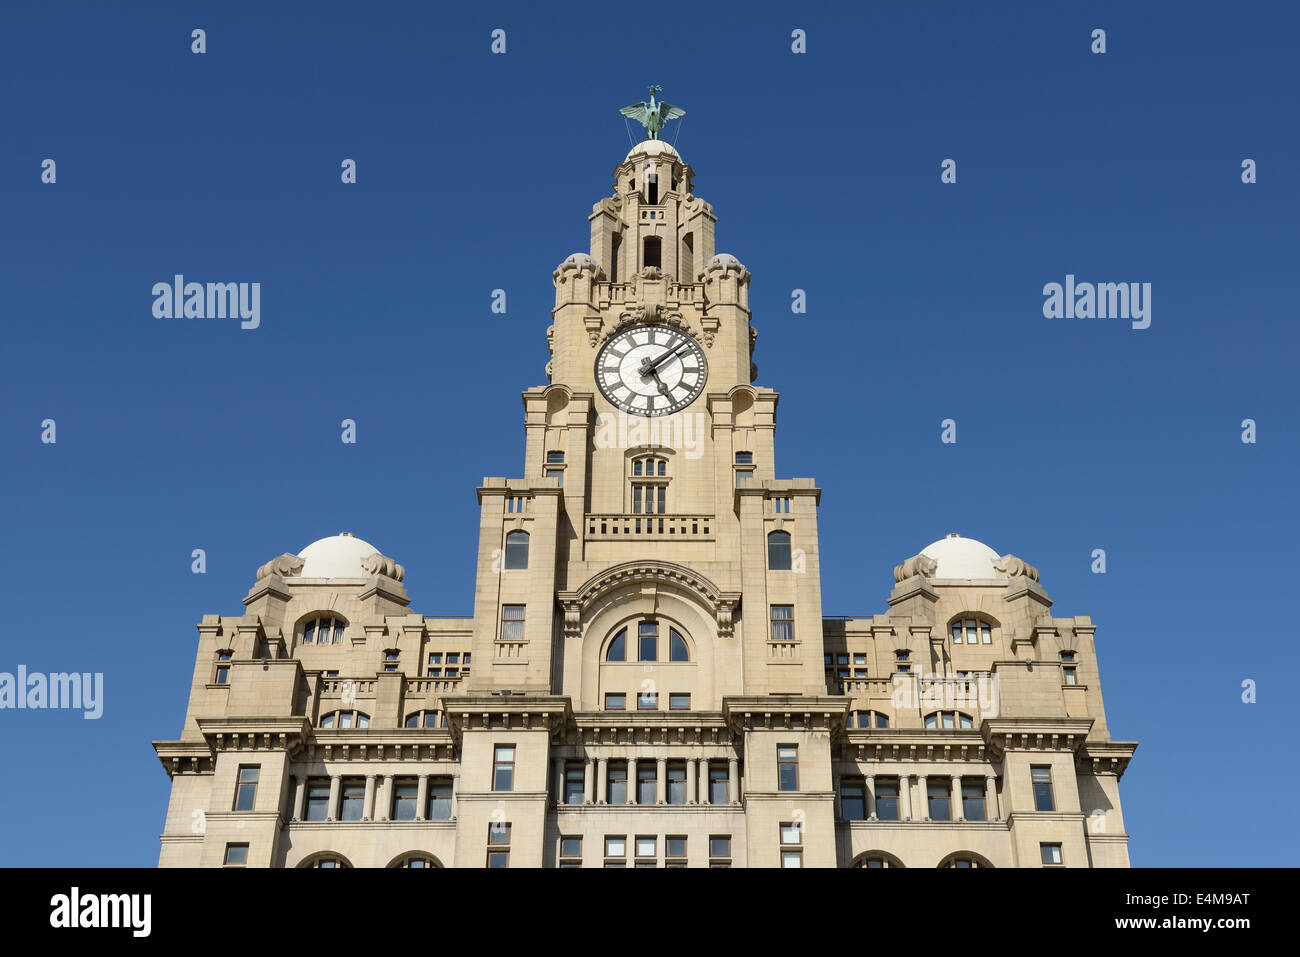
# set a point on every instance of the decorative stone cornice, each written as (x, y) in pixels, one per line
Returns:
(514, 712)
(576, 603)
(1106, 757)
(1034, 734)
(646, 313)
(785, 713)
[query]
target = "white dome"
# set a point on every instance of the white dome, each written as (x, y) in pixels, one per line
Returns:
(580, 260)
(338, 556)
(652, 148)
(959, 557)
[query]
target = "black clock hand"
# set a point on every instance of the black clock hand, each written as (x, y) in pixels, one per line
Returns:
(662, 388)
(647, 366)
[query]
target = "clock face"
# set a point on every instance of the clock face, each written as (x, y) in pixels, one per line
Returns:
(651, 370)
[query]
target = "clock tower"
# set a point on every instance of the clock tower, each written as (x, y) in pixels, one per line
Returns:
(649, 493)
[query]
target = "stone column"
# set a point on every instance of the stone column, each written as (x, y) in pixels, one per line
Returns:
(333, 813)
(661, 781)
(455, 790)
(905, 797)
(384, 797)
(692, 779)
(602, 781)
(422, 797)
(559, 780)
(869, 795)
(631, 781)
(588, 772)
(300, 798)
(733, 780)
(958, 809)
(704, 780)
(993, 812)
(368, 812)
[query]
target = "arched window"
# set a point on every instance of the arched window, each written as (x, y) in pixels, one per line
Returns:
(345, 719)
(516, 550)
(425, 719)
(325, 860)
(618, 647)
(416, 860)
(971, 631)
(649, 497)
(325, 630)
(948, 719)
(964, 859)
(778, 551)
(877, 859)
(652, 247)
(677, 650)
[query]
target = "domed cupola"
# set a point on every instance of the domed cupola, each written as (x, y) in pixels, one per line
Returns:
(339, 556)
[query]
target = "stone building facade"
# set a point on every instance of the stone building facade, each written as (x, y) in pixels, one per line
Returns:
(647, 678)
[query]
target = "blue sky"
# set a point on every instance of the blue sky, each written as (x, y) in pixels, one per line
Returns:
(477, 172)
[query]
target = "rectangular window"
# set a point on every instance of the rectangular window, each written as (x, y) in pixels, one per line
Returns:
(647, 701)
(554, 458)
(675, 845)
(498, 857)
(571, 846)
(647, 846)
(615, 702)
(557, 474)
(744, 458)
(853, 804)
(787, 768)
(499, 832)
(439, 799)
(783, 624)
(646, 781)
(574, 779)
(435, 658)
(679, 702)
(719, 850)
(405, 793)
(318, 799)
(1042, 779)
(503, 768)
(1051, 853)
(676, 782)
(353, 795)
(223, 674)
(617, 784)
(791, 858)
(512, 622)
(236, 855)
(615, 846)
(648, 635)
(886, 800)
(972, 801)
(246, 789)
(718, 784)
(1070, 675)
(937, 795)
(790, 833)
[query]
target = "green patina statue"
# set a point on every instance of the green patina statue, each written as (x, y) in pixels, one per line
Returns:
(653, 115)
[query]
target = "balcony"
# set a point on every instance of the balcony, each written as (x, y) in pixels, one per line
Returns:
(653, 528)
